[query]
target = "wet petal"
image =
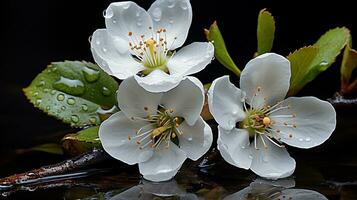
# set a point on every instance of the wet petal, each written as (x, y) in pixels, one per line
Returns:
(271, 162)
(158, 81)
(195, 140)
(164, 164)
(110, 59)
(114, 133)
(225, 104)
(124, 17)
(191, 59)
(308, 122)
(135, 101)
(266, 79)
(175, 16)
(186, 100)
(234, 147)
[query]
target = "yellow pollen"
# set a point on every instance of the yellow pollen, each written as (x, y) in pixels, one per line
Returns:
(157, 131)
(150, 43)
(266, 121)
(173, 135)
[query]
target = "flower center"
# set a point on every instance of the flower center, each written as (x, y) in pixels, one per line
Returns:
(162, 127)
(152, 51)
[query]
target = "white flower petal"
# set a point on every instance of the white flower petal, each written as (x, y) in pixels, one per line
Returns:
(110, 59)
(134, 101)
(191, 59)
(113, 134)
(268, 77)
(234, 147)
(315, 120)
(164, 164)
(175, 16)
(186, 100)
(225, 104)
(272, 162)
(301, 194)
(195, 140)
(124, 17)
(158, 81)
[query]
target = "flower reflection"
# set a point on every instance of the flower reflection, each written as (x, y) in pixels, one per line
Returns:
(155, 190)
(275, 190)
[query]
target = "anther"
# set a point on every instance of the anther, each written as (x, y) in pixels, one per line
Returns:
(130, 34)
(266, 121)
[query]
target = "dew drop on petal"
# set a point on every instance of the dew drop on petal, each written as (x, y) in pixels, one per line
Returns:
(156, 13)
(324, 63)
(307, 139)
(300, 139)
(63, 108)
(183, 5)
(250, 157)
(189, 139)
(126, 6)
(108, 13)
(53, 92)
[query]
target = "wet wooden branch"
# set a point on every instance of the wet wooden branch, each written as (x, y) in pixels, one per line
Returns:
(42, 174)
(338, 100)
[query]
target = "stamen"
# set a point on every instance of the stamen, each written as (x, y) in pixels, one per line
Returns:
(277, 109)
(276, 144)
(261, 137)
(255, 141)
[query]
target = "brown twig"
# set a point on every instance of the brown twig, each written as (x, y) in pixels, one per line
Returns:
(42, 174)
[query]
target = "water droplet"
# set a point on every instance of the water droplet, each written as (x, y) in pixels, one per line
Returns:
(35, 94)
(97, 42)
(307, 139)
(71, 101)
(102, 111)
(138, 13)
(84, 107)
(300, 139)
(91, 75)
(108, 13)
(156, 13)
(250, 157)
(69, 86)
(60, 97)
(106, 91)
(324, 63)
(93, 120)
(38, 101)
(139, 23)
(243, 147)
(46, 90)
(126, 6)
(189, 139)
(114, 21)
(104, 49)
(74, 118)
(171, 5)
(53, 92)
(265, 159)
(63, 108)
(48, 107)
(183, 5)
(41, 83)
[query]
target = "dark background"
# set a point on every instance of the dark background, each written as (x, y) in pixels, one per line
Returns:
(35, 33)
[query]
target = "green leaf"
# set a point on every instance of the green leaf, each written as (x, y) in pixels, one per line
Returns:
(52, 148)
(301, 60)
(265, 31)
(74, 92)
(220, 51)
(349, 63)
(329, 47)
(81, 142)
